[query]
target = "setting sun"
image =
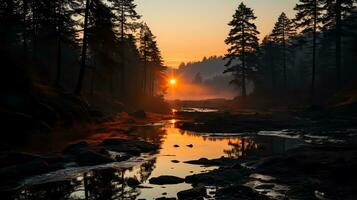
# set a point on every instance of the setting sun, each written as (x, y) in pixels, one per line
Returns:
(173, 81)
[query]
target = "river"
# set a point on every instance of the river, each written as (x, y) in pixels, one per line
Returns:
(113, 181)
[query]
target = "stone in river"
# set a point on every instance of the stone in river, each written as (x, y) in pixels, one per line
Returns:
(165, 198)
(132, 182)
(194, 193)
(190, 145)
(175, 161)
(76, 148)
(166, 180)
(90, 158)
(176, 146)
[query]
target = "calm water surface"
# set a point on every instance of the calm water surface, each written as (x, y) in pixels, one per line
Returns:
(111, 181)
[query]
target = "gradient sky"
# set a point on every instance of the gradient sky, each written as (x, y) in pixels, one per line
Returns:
(188, 30)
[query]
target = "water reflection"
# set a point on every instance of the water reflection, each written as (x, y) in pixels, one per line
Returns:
(114, 183)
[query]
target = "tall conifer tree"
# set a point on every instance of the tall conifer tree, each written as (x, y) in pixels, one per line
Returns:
(243, 42)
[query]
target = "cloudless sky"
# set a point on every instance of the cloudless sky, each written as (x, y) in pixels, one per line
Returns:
(188, 30)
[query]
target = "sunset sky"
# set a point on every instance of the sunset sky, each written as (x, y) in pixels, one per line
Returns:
(188, 30)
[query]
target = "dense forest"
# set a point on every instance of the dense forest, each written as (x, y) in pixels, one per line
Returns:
(307, 59)
(97, 50)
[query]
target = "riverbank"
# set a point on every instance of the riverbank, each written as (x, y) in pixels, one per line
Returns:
(322, 168)
(148, 156)
(87, 144)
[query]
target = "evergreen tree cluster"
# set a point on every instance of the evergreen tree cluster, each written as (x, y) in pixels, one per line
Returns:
(310, 56)
(85, 46)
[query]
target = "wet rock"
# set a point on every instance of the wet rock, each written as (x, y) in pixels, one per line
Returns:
(165, 198)
(223, 161)
(113, 142)
(176, 146)
(175, 161)
(194, 193)
(121, 158)
(132, 147)
(57, 159)
(132, 182)
(166, 180)
(239, 192)
(139, 114)
(219, 177)
(89, 158)
(76, 148)
(190, 145)
(265, 186)
(31, 168)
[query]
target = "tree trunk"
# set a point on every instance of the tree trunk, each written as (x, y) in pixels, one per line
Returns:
(25, 8)
(84, 51)
(338, 44)
(314, 53)
(284, 59)
(59, 47)
(244, 89)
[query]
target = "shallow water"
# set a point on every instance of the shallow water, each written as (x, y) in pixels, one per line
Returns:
(111, 181)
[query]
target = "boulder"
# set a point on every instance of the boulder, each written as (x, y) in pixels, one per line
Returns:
(89, 158)
(132, 147)
(76, 148)
(132, 182)
(113, 141)
(166, 180)
(165, 198)
(31, 168)
(239, 192)
(194, 193)
(121, 158)
(139, 114)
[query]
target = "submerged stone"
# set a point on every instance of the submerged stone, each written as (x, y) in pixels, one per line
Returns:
(166, 180)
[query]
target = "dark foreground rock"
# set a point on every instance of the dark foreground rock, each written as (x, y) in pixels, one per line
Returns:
(223, 161)
(132, 182)
(238, 192)
(133, 147)
(76, 148)
(166, 180)
(139, 114)
(221, 176)
(165, 198)
(195, 193)
(317, 169)
(16, 172)
(89, 158)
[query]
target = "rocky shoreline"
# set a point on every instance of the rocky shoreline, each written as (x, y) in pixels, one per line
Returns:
(17, 166)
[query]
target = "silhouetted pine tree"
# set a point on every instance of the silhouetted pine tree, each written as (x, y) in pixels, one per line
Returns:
(337, 11)
(308, 17)
(79, 86)
(268, 73)
(126, 16)
(243, 42)
(151, 57)
(283, 34)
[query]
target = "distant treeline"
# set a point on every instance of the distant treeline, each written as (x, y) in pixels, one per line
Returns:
(84, 46)
(312, 56)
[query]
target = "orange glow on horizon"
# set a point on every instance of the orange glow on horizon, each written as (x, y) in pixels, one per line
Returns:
(197, 33)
